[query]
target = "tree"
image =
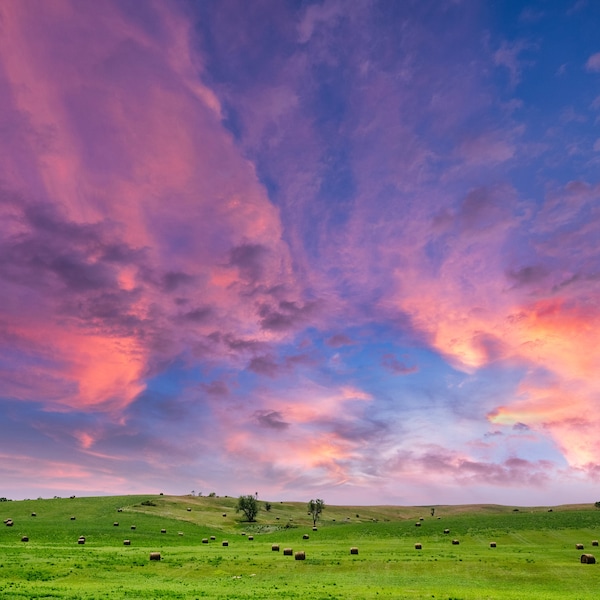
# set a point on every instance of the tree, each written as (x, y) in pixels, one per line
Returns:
(247, 505)
(315, 508)
(267, 506)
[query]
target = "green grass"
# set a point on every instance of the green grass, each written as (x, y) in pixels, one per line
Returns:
(535, 557)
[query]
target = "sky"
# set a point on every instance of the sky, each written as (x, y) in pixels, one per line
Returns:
(336, 249)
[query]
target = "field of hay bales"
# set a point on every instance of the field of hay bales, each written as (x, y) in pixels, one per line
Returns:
(75, 548)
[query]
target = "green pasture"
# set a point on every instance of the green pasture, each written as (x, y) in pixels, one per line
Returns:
(535, 555)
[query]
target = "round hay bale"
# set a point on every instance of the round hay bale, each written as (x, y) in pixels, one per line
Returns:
(81, 541)
(275, 547)
(133, 527)
(288, 552)
(588, 559)
(314, 529)
(205, 540)
(225, 543)
(277, 518)
(579, 546)
(455, 542)
(224, 514)
(300, 555)
(9, 523)
(594, 542)
(550, 510)
(24, 539)
(353, 550)
(119, 510)
(126, 542)
(72, 518)
(418, 546)
(305, 536)
(492, 544)
(154, 555)
(115, 524)
(250, 537)
(189, 509)
(213, 538)
(179, 533)
(421, 518)
(446, 531)
(163, 531)
(33, 514)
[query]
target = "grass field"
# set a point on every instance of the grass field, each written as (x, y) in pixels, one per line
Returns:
(535, 555)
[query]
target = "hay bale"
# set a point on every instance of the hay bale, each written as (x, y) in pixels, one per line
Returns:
(24, 539)
(492, 544)
(275, 547)
(9, 522)
(594, 542)
(579, 546)
(33, 514)
(72, 518)
(305, 536)
(288, 552)
(154, 555)
(418, 546)
(205, 540)
(588, 559)
(300, 555)
(446, 531)
(81, 540)
(314, 529)
(418, 524)
(225, 543)
(163, 531)
(353, 550)
(250, 537)
(115, 524)
(133, 527)
(421, 518)
(179, 533)
(455, 542)
(224, 514)
(126, 542)
(189, 509)
(119, 510)
(213, 538)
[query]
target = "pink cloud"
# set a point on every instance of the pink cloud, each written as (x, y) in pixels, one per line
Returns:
(593, 63)
(155, 207)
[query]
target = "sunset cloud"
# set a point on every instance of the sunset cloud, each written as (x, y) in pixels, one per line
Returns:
(341, 253)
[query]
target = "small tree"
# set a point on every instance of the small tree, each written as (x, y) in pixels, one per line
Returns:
(267, 506)
(315, 508)
(247, 505)
(432, 511)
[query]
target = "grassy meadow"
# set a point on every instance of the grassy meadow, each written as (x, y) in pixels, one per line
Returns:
(535, 555)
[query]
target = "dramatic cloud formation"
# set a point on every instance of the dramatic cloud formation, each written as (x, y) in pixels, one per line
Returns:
(301, 248)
